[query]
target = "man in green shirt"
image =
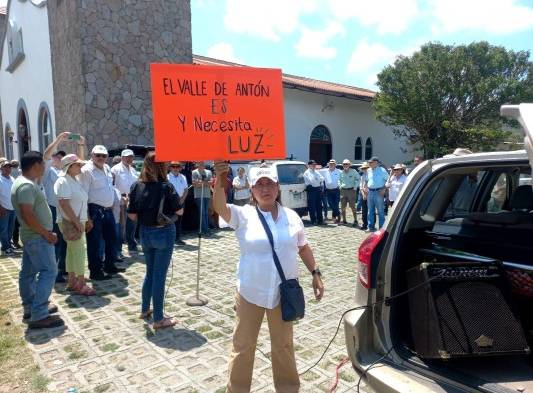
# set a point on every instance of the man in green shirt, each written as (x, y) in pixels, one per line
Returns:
(349, 182)
(39, 268)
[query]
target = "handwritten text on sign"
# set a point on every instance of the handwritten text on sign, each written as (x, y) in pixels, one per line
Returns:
(217, 112)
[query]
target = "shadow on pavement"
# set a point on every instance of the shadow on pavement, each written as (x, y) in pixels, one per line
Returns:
(42, 336)
(179, 339)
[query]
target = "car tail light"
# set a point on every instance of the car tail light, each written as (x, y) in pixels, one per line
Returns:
(366, 250)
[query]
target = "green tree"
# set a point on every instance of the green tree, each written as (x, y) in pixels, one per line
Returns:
(446, 96)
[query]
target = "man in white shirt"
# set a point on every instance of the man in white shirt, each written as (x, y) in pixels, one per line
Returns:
(333, 192)
(313, 182)
(124, 175)
(97, 180)
(179, 182)
(7, 213)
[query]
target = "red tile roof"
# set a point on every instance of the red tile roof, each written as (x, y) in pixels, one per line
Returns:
(301, 83)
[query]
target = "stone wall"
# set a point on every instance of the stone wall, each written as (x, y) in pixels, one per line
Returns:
(112, 43)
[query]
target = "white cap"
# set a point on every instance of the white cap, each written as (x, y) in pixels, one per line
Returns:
(346, 161)
(99, 149)
(126, 153)
(258, 173)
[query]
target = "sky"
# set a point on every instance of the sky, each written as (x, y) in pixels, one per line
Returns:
(350, 41)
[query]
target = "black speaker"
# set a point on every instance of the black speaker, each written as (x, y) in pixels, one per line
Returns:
(462, 309)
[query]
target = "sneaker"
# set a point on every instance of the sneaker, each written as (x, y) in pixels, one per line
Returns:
(52, 309)
(9, 252)
(370, 230)
(50, 321)
(355, 224)
(180, 242)
(17, 246)
(363, 228)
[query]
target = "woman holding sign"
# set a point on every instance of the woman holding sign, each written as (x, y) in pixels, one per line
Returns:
(269, 235)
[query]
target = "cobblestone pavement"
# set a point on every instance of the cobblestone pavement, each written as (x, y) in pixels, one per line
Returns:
(104, 347)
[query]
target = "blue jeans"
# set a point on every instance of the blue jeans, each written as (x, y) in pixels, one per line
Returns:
(103, 235)
(157, 245)
(205, 213)
(324, 202)
(375, 202)
(314, 202)
(129, 231)
(334, 197)
(61, 245)
(7, 224)
(118, 231)
(37, 277)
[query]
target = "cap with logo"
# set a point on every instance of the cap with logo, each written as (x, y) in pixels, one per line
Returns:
(258, 173)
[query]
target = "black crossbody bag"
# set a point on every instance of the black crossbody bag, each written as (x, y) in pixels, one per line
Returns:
(292, 294)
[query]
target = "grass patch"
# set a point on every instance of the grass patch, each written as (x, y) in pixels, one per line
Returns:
(102, 388)
(109, 347)
(75, 355)
(79, 318)
(204, 328)
(213, 335)
(18, 371)
(348, 376)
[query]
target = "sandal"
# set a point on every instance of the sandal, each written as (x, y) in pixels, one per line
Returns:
(86, 291)
(145, 315)
(164, 323)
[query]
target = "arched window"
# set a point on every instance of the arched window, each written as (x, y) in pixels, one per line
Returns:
(368, 149)
(23, 129)
(8, 138)
(45, 127)
(320, 146)
(358, 155)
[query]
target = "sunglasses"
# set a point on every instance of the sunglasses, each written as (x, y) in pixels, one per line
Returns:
(100, 155)
(175, 166)
(345, 164)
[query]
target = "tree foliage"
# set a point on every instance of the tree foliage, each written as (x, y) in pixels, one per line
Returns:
(445, 96)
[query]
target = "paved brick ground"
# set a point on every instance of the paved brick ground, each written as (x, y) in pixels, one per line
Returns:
(104, 347)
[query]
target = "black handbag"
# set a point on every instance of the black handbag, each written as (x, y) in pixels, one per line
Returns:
(292, 294)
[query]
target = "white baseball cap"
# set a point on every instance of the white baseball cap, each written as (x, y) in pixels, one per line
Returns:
(258, 173)
(126, 153)
(99, 149)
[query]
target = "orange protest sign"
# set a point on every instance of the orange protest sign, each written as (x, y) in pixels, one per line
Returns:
(217, 112)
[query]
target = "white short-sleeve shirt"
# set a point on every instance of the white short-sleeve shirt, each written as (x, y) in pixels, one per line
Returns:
(257, 277)
(68, 188)
(244, 193)
(6, 183)
(179, 182)
(124, 177)
(98, 184)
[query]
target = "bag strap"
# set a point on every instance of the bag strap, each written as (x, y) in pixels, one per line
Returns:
(271, 240)
(162, 203)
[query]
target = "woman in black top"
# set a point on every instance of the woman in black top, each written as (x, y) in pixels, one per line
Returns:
(157, 239)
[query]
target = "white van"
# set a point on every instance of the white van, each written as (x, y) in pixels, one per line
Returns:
(291, 183)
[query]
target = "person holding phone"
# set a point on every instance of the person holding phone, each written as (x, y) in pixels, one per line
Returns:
(52, 157)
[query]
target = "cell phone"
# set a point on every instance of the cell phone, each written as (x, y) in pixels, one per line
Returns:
(74, 137)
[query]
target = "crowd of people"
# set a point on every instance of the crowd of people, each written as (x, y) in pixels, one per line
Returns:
(370, 190)
(74, 213)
